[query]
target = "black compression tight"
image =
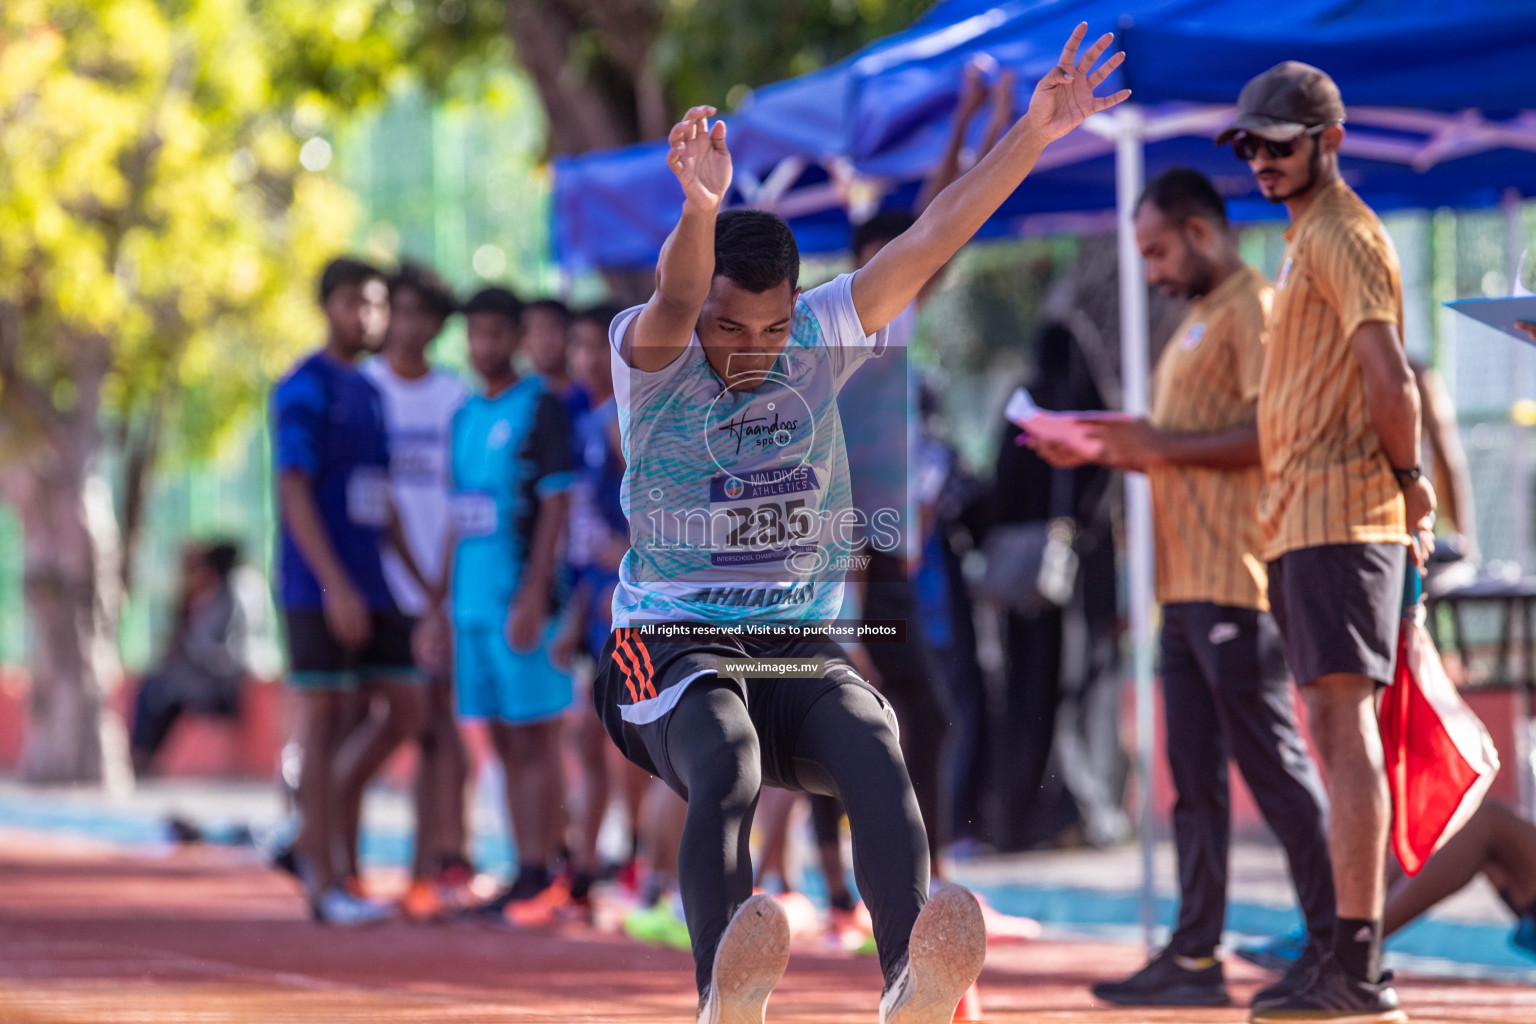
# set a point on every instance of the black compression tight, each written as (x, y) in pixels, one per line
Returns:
(843, 746)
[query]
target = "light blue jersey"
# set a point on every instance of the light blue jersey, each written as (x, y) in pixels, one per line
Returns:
(508, 452)
(739, 502)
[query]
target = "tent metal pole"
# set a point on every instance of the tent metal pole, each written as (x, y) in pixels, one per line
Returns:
(1134, 329)
(1519, 468)
(1519, 449)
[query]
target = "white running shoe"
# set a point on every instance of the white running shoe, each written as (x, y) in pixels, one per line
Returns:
(944, 958)
(338, 907)
(749, 961)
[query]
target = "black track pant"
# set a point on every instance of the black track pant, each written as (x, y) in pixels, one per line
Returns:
(1226, 695)
(832, 736)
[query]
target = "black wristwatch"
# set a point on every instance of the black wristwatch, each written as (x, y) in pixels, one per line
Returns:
(1406, 478)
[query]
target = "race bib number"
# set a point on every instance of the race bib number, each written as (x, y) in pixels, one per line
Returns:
(764, 515)
(474, 514)
(368, 497)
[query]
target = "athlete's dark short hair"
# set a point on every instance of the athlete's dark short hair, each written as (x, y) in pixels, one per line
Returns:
(601, 314)
(434, 293)
(495, 300)
(1183, 193)
(554, 306)
(884, 227)
(345, 270)
(755, 250)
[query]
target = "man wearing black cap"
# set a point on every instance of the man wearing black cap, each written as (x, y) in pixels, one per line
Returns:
(1339, 437)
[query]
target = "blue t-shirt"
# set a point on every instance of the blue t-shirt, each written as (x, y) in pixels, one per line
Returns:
(507, 453)
(597, 510)
(328, 423)
(577, 401)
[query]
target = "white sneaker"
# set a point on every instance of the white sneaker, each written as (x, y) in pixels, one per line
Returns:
(338, 907)
(944, 958)
(750, 959)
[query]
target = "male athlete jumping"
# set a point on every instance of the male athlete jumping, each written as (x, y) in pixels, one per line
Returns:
(740, 516)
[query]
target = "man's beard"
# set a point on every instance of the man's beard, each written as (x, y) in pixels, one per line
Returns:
(1200, 284)
(1314, 168)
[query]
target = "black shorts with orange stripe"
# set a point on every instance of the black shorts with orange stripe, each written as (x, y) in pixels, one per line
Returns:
(639, 682)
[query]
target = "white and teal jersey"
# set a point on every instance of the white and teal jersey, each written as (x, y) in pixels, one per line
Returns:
(739, 503)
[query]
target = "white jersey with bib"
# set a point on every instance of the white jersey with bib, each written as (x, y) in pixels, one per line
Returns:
(417, 415)
(738, 501)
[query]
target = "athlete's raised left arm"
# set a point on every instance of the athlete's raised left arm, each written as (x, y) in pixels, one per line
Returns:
(1062, 100)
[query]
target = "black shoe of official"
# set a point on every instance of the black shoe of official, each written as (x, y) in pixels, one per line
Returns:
(1331, 995)
(1169, 980)
(1297, 977)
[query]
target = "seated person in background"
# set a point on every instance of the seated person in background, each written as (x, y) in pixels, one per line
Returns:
(205, 661)
(1498, 842)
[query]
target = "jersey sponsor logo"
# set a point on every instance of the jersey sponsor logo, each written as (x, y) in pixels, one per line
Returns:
(499, 435)
(1192, 337)
(417, 460)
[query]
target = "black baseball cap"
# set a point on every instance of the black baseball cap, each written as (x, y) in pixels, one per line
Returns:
(1285, 101)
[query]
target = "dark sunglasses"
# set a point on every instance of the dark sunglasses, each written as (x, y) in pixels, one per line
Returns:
(1247, 146)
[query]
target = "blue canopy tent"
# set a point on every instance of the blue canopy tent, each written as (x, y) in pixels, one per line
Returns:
(1437, 91)
(1442, 112)
(614, 208)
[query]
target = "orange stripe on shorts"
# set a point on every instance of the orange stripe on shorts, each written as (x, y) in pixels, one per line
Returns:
(629, 680)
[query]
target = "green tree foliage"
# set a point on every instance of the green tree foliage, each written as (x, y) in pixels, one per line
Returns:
(611, 72)
(155, 218)
(716, 51)
(162, 219)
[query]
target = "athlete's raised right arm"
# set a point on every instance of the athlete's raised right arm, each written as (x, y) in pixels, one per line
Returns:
(699, 158)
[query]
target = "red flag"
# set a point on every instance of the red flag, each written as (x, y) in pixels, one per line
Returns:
(1440, 759)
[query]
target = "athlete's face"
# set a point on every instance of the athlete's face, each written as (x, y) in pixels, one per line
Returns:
(492, 340)
(412, 324)
(589, 356)
(743, 332)
(1177, 256)
(1282, 178)
(544, 336)
(358, 315)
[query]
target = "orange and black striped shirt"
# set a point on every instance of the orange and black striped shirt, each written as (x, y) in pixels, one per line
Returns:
(1206, 520)
(1326, 478)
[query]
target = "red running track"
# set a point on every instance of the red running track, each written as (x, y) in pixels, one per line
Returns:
(91, 934)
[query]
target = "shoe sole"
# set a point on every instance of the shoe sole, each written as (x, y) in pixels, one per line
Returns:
(751, 958)
(945, 957)
(1263, 1016)
(1170, 997)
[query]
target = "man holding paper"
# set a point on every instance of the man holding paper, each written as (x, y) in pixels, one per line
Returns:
(1225, 687)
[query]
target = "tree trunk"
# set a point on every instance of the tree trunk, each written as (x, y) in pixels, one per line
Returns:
(600, 100)
(72, 597)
